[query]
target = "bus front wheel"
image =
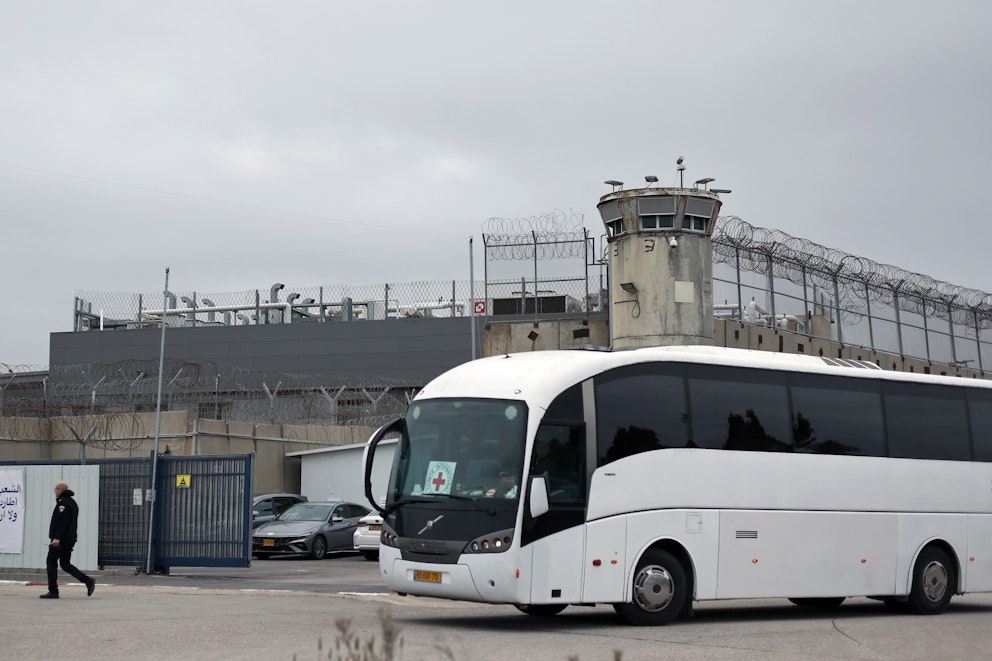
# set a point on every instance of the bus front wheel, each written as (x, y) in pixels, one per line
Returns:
(933, 582)
(659, 590)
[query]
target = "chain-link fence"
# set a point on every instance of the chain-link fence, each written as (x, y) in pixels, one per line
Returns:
(281, 305)
(771, 278)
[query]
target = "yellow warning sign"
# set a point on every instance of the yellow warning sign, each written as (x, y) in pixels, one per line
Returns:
(182, 481)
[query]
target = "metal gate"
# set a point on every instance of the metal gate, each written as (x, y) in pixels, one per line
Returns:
(202, 511)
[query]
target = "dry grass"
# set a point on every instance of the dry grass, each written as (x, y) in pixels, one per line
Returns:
(386, 645)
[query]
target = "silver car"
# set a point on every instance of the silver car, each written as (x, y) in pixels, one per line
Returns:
(310, 529)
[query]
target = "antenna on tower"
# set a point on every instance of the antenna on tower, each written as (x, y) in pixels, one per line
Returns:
(681, 169)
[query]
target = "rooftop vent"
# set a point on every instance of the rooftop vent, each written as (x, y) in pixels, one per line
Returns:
(844, 362)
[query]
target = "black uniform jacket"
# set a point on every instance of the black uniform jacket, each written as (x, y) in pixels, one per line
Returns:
(63, 525)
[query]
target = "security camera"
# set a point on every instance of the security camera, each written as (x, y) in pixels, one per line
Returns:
(672, 243)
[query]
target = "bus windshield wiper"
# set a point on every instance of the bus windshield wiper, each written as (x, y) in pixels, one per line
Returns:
(404, 501)
(471, 499)
(396, 504)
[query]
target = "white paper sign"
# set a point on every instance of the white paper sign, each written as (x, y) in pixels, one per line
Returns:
(12, 511)
(439, 475)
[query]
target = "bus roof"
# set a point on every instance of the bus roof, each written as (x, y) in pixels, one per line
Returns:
(539, 376)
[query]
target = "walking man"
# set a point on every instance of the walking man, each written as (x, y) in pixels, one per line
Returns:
(62, 536)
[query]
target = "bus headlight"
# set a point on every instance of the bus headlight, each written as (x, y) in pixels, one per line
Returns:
(496, 542)
(388, 537)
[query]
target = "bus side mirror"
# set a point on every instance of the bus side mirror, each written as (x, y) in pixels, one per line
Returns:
(538, 496)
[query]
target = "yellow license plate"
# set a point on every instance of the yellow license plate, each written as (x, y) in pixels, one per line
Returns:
(427, 576)
(375, 526)
(268, 542)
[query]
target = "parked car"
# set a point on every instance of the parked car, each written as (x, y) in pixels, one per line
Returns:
(268, 506)
(367, 536)
(311, 528)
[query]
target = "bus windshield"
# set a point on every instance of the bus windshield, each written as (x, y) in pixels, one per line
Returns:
(461, 448)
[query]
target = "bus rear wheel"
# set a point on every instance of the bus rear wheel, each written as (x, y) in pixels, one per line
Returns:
(934, 582)
(659, 590)
(824, 603)
(541, 610)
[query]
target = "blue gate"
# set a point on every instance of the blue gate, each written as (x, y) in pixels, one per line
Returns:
(203, 512)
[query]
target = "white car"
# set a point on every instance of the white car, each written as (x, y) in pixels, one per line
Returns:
(367, 536)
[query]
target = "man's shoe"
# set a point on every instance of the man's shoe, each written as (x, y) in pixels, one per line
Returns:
(49, 595)
(90, 586)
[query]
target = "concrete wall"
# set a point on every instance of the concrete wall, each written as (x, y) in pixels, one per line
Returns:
(133, 435)
(20, 438)
(501, 337)
(730, 333)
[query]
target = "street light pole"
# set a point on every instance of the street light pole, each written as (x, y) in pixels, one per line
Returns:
(158, 424)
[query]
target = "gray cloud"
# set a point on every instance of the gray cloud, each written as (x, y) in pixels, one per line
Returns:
(311, 142)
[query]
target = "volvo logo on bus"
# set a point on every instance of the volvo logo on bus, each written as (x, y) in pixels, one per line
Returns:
(430, 525)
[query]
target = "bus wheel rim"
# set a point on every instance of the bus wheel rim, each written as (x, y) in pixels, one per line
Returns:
(653, 588)
(934, 581)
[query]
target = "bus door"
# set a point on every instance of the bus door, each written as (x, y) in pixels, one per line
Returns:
(559, 454)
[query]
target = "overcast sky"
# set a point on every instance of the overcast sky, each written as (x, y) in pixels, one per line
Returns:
(324, 143)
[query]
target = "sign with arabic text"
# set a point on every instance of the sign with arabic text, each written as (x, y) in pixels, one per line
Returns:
(12, 511)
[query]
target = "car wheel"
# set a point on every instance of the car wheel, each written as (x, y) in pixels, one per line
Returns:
(262, 556)
(319, 549)
(541, 610)
(934, 582)
(824, 603)
(370, 555)
(659, 590)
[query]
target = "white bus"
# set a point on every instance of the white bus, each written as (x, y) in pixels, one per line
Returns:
(652, 478)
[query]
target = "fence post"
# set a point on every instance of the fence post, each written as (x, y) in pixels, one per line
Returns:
(740, 295)
(950, 328)
(871, 332)
(895, 301)
(978, 339)
(840, 324)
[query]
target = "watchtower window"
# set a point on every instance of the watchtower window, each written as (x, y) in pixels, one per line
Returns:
(615, 227)
(698, 213)
(659, 222)
(695, 223)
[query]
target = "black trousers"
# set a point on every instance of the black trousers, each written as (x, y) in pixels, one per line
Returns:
(60, 555)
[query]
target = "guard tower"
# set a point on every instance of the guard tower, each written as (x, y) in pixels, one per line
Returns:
(661, 262)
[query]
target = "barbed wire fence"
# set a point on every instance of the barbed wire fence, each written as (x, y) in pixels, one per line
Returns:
(109, 396)
(551, 236)
(877, 306)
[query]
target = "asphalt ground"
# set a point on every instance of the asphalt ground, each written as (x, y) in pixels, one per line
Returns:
(306, 609)
(339, 572)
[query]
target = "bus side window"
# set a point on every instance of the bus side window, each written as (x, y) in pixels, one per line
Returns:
(740, 409)
(822, 420)
(640, 408)
(926, 421)
(562, 460)
(980, 407)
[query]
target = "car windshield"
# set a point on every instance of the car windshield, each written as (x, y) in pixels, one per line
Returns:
(306, 512)
(461, 448)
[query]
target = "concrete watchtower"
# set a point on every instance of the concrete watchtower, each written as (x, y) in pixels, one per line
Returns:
(661, 263)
